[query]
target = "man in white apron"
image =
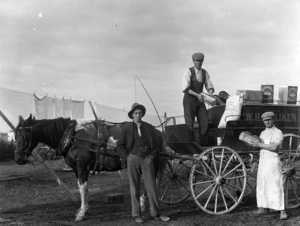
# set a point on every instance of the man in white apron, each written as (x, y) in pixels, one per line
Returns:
(269, 190)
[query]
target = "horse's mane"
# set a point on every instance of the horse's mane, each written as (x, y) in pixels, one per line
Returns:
(51, 129)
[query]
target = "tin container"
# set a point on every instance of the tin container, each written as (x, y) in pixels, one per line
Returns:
(267, 93)
(292, 94)
(251, 96)
(282, 94)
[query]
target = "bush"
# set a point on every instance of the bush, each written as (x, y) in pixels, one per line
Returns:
(7, 150)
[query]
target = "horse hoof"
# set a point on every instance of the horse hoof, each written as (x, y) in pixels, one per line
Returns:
(79, 218)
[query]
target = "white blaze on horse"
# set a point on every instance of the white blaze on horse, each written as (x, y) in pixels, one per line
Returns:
(80, 147)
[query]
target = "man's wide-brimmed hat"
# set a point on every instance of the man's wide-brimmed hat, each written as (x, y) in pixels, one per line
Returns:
(268, 115)
(134, 107)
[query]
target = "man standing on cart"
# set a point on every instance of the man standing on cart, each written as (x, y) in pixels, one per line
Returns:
(269, 190)
(194, 79)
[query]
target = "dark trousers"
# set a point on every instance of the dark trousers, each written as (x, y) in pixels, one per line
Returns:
(142, 167)
(193, 108)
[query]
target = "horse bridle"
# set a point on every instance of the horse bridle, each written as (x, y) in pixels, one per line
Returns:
(23, 151)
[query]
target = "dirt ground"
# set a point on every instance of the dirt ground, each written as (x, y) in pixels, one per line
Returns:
(30, 196)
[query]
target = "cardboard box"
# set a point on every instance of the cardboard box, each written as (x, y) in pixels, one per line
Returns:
(268, 93)
(282, 94)
(251, 96)
(292, 94)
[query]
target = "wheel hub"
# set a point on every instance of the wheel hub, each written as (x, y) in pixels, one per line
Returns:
(290, 172)
(220, 180)
(173, 176)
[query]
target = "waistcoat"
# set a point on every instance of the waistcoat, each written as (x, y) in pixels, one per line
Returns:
(197, 86)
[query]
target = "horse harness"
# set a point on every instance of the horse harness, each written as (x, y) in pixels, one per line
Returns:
(70, 139)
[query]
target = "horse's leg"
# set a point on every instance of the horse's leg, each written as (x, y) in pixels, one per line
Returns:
(143, 199)
(82, 180)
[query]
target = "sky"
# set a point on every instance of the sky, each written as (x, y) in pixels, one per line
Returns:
(94, 50)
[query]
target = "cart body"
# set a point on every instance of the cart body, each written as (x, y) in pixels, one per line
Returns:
(228, 172)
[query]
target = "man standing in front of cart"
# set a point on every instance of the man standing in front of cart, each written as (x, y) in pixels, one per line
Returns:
(194, 79)
(139, 148)
(269, 190)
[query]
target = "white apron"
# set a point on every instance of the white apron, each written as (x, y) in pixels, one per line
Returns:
(269, 190)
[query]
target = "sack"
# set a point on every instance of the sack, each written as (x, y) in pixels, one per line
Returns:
(232, 111)
(208, 99)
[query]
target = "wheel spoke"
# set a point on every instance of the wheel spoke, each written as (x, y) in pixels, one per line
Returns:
(295, 154)
(216, 200)
(231, 178)
(162, 182)
(294, 191)
(295, 181)
(228, 163)
(232, 169)
(205, 190)
(296, 165)
(225, 203)
(187, 189)
(214, 162)
(203, 182)
(296, 175)
(207, 166)
(165, 190)
(290, 150)
(221, 161)
(248, 184)
(176, 185)
(234, 187)
(209, 197)
(230, 194)
(204, 173)
(178, 168)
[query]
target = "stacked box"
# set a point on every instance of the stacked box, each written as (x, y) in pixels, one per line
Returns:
(282, 94)
(251, 96)
(268, 93)
(292, 94)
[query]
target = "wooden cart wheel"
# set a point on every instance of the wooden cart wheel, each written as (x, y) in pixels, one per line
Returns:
(218, 180)
(291, 169)
(174, 182)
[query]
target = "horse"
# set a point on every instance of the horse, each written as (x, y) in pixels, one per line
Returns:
(78, 146)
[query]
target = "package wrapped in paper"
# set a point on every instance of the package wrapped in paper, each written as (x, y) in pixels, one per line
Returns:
(249, 137)
(209, 99)
(232, 111)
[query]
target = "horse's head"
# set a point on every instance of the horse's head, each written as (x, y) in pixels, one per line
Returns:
(25, 140)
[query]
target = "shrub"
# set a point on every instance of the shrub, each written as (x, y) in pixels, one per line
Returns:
(7, 150)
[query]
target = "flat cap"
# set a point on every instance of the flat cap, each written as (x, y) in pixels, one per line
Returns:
(268, 114)
(198, 56)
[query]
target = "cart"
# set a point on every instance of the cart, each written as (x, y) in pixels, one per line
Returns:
(218, 177)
